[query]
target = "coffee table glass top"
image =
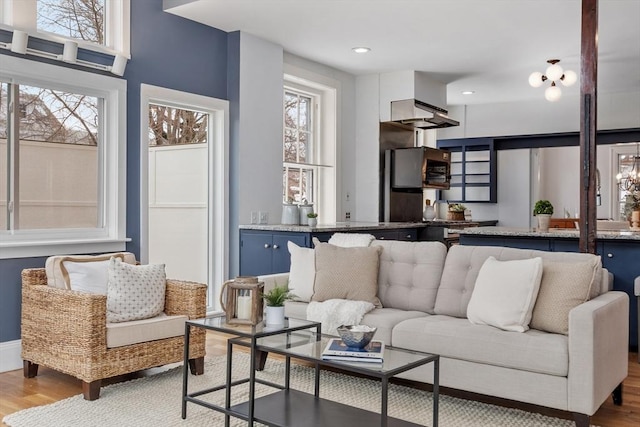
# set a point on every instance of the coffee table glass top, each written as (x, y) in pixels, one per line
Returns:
(303, 344)
(218, 323)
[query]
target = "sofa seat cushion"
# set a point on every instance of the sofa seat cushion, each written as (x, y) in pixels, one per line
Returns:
(138, 331)
(410, 274)
(382, 318)
(455, 338)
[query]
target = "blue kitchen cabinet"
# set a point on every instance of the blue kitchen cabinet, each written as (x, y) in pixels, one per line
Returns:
(265, 252)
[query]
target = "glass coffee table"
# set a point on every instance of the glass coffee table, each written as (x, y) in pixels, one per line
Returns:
(301, 339)
(249, 335)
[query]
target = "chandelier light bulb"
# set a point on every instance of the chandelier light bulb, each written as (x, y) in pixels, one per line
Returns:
(552, 93)
(619, 177)
(569, 78)
(535, 79)
(554, 72)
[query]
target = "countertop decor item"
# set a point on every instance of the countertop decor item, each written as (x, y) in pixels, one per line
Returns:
(543, 209)
(312, 219)
(429, 211)
(305, 209)
(290, 214)
(357, 336)
(455, 212)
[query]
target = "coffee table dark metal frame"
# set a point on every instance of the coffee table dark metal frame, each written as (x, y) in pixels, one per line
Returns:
(251, 334)
(288, 407)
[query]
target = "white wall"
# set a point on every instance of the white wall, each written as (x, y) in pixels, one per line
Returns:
(615, 111)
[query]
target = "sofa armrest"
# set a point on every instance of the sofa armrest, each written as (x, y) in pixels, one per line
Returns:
(187, 298)
(598, 350)
(271, 280)
(57, 322)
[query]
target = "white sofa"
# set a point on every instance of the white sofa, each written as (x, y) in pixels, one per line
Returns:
(425, 291)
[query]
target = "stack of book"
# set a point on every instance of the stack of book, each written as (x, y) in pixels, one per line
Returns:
(337, 350)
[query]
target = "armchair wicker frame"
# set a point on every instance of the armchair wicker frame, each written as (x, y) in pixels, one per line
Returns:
(65, 330)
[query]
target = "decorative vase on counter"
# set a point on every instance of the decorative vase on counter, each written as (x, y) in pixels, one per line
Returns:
(304, 210)
(312, 222)
(543, 222)
(429, 212)
(290, 214)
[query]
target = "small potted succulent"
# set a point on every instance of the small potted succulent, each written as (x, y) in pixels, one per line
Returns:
(312, 219)
(274, 300)
(543, 209)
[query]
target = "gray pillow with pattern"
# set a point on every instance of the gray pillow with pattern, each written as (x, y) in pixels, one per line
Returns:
(134, 291)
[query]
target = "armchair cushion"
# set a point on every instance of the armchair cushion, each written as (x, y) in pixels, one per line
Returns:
(139, 331)
(134, 292)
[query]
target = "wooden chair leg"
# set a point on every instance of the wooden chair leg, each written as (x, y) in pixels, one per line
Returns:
(29, 369)
(91, 390)
(196, 366)
(582, 420)
(261, 359)
(617, 395)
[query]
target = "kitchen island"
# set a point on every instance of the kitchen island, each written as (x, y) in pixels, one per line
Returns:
(620, 252)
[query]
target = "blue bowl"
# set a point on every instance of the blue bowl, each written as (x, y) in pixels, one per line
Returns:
(353, 337)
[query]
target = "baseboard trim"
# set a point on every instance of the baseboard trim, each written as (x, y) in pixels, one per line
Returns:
(10, 358)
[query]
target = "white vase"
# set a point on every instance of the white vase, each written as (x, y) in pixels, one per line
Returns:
(275, 315)
(312, 222)
(543, 222)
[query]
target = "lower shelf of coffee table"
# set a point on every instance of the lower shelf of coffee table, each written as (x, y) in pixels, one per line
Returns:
(298, 409)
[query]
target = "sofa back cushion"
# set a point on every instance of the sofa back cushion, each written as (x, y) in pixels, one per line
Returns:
(410, 273)
(463, 264)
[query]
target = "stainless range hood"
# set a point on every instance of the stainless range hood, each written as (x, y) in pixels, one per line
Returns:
(420, 115)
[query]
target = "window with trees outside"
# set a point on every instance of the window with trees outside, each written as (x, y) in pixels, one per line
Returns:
(62, 157)
(298, 147)
(310, 141)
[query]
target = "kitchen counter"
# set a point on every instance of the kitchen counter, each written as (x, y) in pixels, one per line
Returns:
(553, 233)
(355, 226)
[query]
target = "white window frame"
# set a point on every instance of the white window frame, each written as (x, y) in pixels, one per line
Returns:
(218, 196)
(616, 151)
(22, 14)
(112, 154)
(326, 144)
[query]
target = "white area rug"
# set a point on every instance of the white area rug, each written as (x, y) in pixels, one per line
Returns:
(155, 401)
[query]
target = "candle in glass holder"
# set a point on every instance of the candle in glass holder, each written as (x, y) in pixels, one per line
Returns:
(243, 304)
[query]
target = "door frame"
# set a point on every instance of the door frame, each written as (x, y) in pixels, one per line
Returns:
(218, 183)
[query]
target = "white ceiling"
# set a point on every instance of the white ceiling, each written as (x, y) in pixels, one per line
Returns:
(488, 46)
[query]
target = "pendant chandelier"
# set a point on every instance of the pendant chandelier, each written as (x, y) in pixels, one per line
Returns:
(554, 73)
(630, 182)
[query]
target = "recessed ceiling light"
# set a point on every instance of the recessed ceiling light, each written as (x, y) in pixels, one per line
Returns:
(468, 92)
(361, 49)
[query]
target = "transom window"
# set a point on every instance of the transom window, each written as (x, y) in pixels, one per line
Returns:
(78, 19)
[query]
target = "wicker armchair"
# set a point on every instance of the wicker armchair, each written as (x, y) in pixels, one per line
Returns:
(66, 331)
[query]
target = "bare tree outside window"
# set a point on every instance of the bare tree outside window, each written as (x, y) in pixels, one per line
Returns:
(80, 19)
(176, 126)
(298, 137)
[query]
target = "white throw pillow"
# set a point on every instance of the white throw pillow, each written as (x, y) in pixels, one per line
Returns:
(89, 277)
(351, 240)
(302, 273)
(134, 291)
(505, 293)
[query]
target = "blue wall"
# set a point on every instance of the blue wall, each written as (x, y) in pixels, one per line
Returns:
(166, 51)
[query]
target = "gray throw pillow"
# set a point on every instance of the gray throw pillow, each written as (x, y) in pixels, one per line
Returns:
(134, 291)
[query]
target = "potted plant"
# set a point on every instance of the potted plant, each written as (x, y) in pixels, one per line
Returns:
(274, 300)
(455, 212)
(543, 209)
(312, 219)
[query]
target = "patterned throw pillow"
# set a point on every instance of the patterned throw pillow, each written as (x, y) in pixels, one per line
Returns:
(134, 292)
(564, 286)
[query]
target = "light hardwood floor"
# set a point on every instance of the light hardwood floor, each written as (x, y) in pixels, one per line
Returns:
(17, 392)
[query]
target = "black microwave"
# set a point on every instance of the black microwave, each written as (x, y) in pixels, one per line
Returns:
(420, 167)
